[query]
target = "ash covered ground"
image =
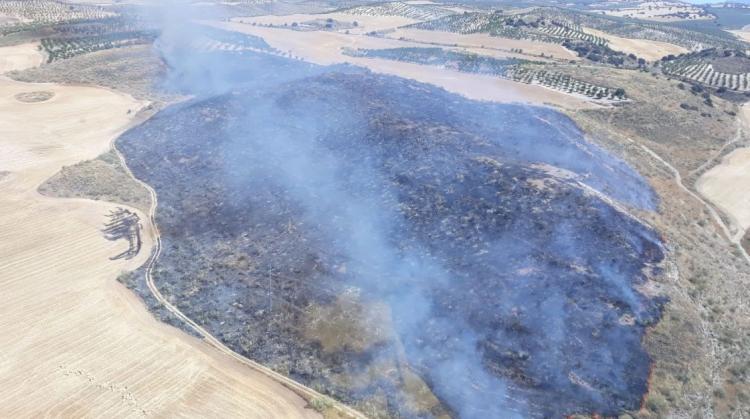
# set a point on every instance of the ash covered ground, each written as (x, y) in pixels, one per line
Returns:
(401, 248)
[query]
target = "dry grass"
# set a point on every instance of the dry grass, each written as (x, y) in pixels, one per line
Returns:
(346, 325)
(642, 48)
(133, 70)
(102, 178)
(684, 137)
(698, 348)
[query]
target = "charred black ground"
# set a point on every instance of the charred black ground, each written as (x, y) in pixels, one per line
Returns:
(436, 245)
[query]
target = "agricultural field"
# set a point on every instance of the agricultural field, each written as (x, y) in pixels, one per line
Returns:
(691, 36)
(538, 26)
(642, 48)
(562, 82)
(67, 47)
(532, 24)
(486, 44)
(328, 47)
(511, 69)
(37, 12)
(333, 22)
(212, 40)
(659, 11)
(414, 11)
(718, 69)
(342, 209)
(516, 26)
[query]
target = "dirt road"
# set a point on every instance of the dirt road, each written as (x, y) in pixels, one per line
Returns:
(726, 184)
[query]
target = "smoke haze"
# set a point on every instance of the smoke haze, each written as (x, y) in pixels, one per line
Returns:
(506, 299)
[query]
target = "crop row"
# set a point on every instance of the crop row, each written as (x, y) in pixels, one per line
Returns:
(567, 32)
(564, 83)
(460, 23)
(412, 11)
(534, 28)
(512, 69)
(212, 45)
(47, 11)
(704, 73)
(63, 48)
(537, 22)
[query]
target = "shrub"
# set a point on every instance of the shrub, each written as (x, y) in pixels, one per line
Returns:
(657, 404)
(320, 404)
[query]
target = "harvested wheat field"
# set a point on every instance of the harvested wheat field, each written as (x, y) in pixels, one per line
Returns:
(75, 342)
(364, 23)
(643, 48)
(659, 11)
(484, 41)
(741, 34)
(720, 184)
(19, 57)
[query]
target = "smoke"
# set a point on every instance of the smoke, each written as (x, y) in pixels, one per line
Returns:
(334, 173)
(359, 224)
(356, 205)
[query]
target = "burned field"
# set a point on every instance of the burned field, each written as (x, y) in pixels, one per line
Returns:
(403, 249)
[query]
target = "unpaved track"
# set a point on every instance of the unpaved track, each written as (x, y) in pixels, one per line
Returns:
(714, 214)
(74, 342)
(726, 184)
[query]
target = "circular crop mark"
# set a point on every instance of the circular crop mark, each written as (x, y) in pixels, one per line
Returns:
(34, 97)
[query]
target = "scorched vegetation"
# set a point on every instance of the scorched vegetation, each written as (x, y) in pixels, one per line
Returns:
(403, 249)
